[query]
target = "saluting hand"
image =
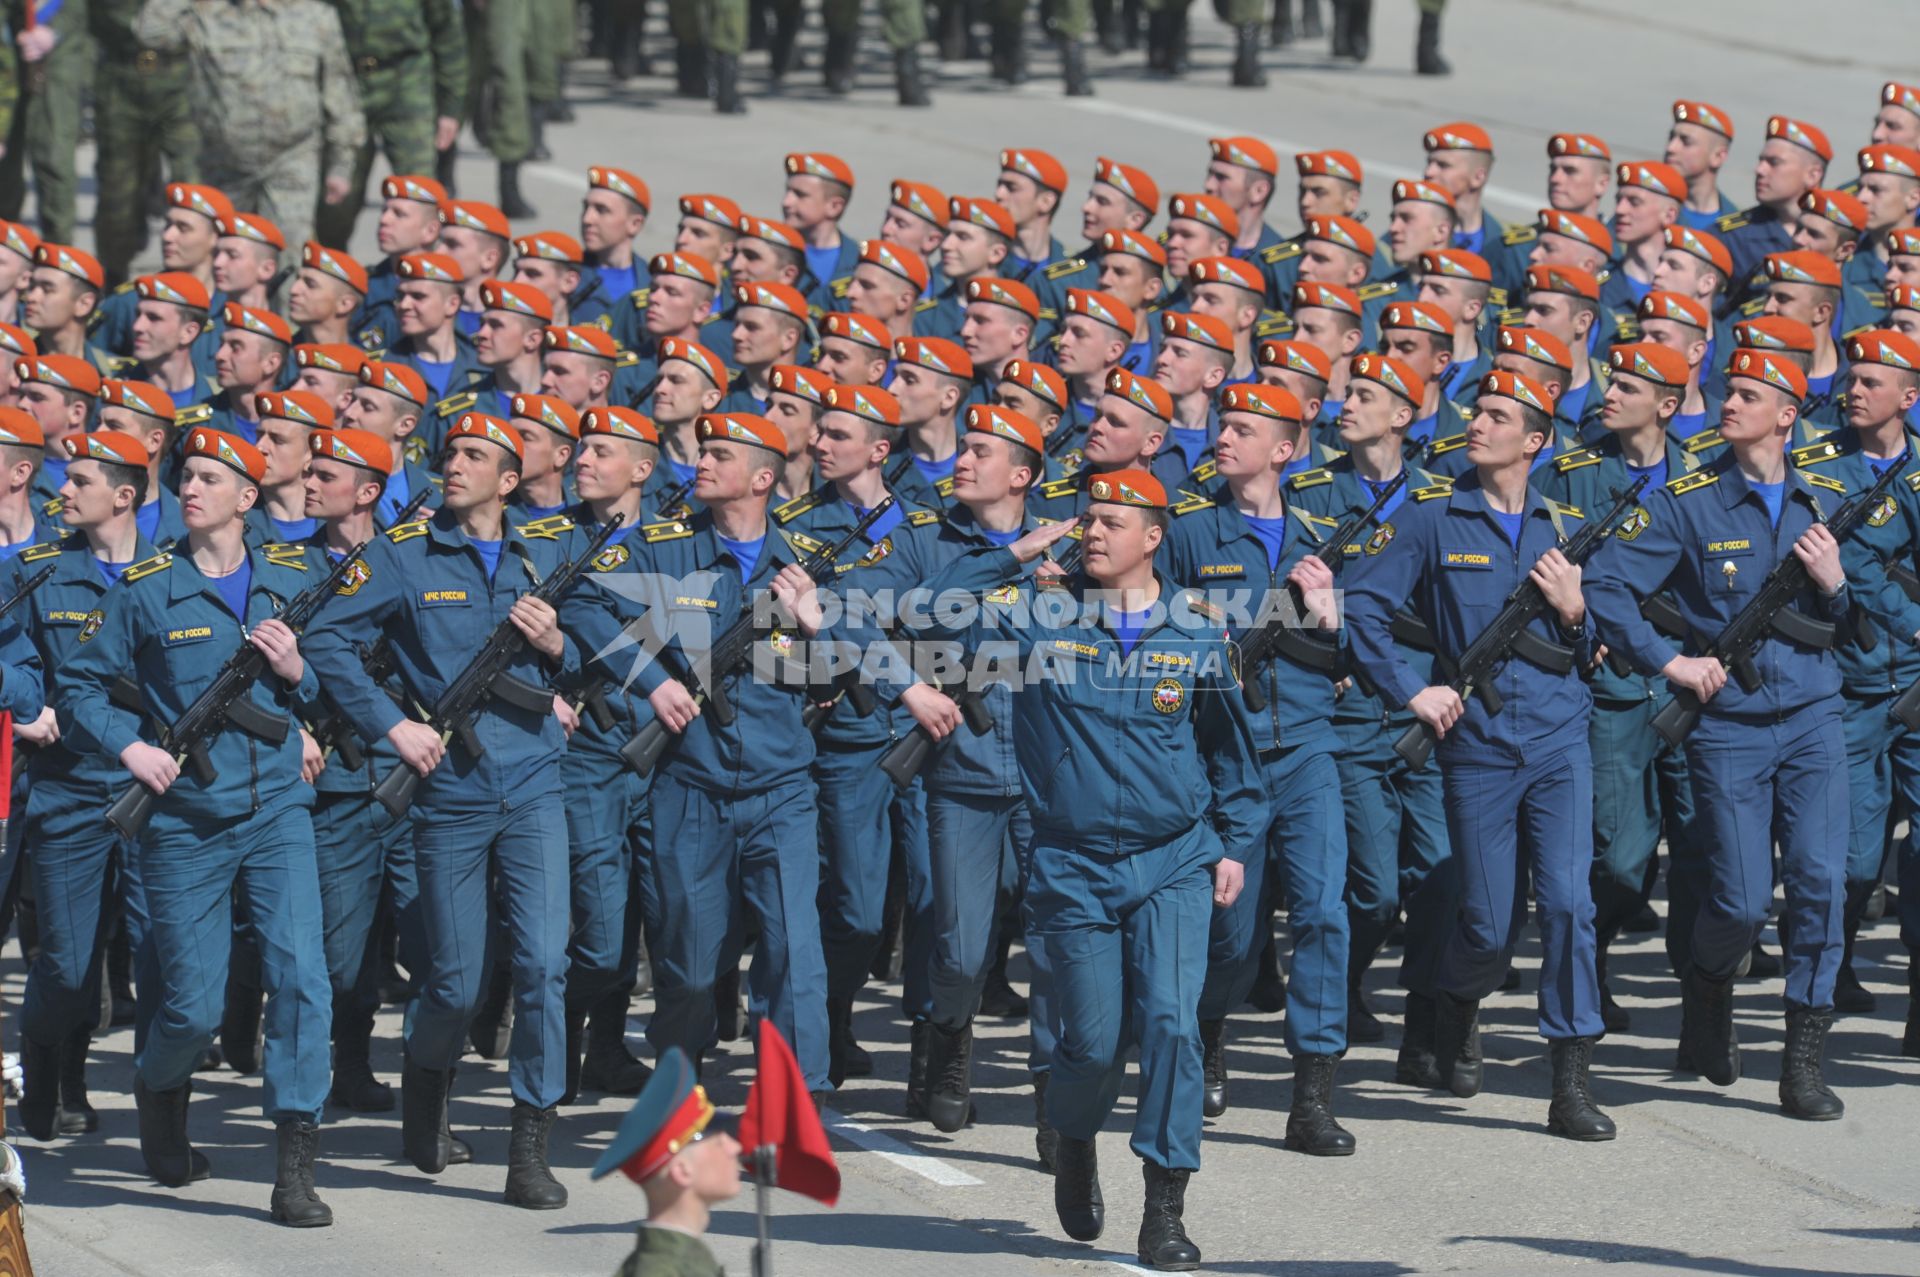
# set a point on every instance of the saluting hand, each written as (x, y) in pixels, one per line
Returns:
(1035, 543)
(1229, 876)
(1559, 580)
(537, 621)
(1820, 553)
(275, 641)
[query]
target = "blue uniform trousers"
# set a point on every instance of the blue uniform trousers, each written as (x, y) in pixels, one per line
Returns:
(972, 840)
(907, 820)
(190, 872)
(1396, 826)
(1883, 764)
(605, 801)
(1758, 784)
(1543, 809)
(1640, 791)
(523, 849)
(1305, 865)
(862, 820)
(711, 849)
(1126, 938)
(72, 856)
(354, 838)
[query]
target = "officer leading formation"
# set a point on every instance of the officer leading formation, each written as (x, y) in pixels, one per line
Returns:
(1104, 604)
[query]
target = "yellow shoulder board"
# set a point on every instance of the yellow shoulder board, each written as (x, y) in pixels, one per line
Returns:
(626, 359)
(798, 506)
(1310, 479)
(1204, 607)
(1205, 471)
(53, 507)
(1372, 292)
(548, 529)
(1520, 235)
(1693, 482)
(921, 518)
(282, 555)
(639, 297)
(1822, 481)
(1273, 324)
(1319, 521)
(925, 304)
(1440, 446)
(1071, 266)
(1815, 453)
(1572, 511)
(1754, 307)
(1731, 222)
(839, 286)
(1433, 490)
(1191, 504)
(453, 404)
(1277, 253)
(1497, 298)
(669, 530)
(407, 531)
(802, 542)
(147, 567)
(35, 553)
(1913, 481)
(1060, 488)
(1574, 460)
(1708, 438)
(196, 415)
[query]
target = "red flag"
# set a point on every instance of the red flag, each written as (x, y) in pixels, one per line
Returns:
(780, 1112)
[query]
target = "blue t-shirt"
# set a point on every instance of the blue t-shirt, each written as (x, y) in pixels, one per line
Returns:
(1573, 401)
(1511, 524)
(619, 281)
(886, 523)
(468, 321)
(1272, 534)
(747, 553)
(1656, 473)
(1127, 627)
(1473, 241)
(1001, 538)
(1818, 386)
(184, 398)
(147, 519)
(935, 471)
(544, 511)
(1883, 464)
(1139, 355)
(291, 530)
(55, 468)
(394, 499)
(682, 472)
(435, 373)
(1373, 494)
(506, 403)
(822, 262)
(1687, 424)
(233, 587)
(9, 551)
(1192, 443)
(489, 552)
(1772, 494)
(110, 572)
(1635, 287)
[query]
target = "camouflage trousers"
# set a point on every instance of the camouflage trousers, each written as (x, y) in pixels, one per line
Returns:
(398, 101)
(142, 115)
(721, 25)
(1238, 12)
(283, 187)
(46, 133)
(549, 47)
(498, 67)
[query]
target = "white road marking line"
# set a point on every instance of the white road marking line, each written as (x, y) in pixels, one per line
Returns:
(1126, 1262)
(880, 1145)
(557, 175)
(1208, 128)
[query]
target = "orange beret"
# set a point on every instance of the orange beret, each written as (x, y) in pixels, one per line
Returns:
(1660, 304)
(229, 450)
(1192, 326)
(687, 266)
(1385, 370)
(1037, 166)
(1801, 134)
(1005, 292)
(717, 209)
(1904, 241)
(70, 260)
(1538, 345)
(1227, 270)
(1246, 152)
(328, 262)
(1129, 181)
(1839, 207)
(772, 232)
(474, 215)
(353, 447)
(139, 396)
(820, 164)
(582, 339)
(1128, 487)
(302, 407)
(1459, 136)
(68, 372)
(1758, 365)
(109, 446)
(1341, 164)
(783, 298)
(1037, 379)
(1266, 401)
(1901, 161)
(992, 419)
(936, 354)
(1706, 115)
(411, 186)
(19, 238)
(1456, 263)
(209, 201)
(869, 403)
(741, 427)
(1650, 361)
(1884, 346)
(1141, 391)
(895, 259)
(556, 415)
(1579, 146)
(621, 423)
(15, 340)
(1344, 231)
(1774, 332)
(1133, 244)
(982, 213)
(261, 323)
(923, 201)
(808, 385)
(1302, 357)
(692, 352)
(1103, 308)
(176, 287)
(1576, 226)
(516, 299)
(1207, 211)
(1416, 190)
(1307, 292)
(331, 357)
(620, 182)
(20, 428)
(1570, 280)
(1903, 296)
(398, 380)
(1518, 387)
(432, 268)
(252, 226)
(1699, 244)
(1803, 266)
(1895, 93)
(478, 425)
(1421, 316)
(550, 246)
(1653, 175)
(864, 329)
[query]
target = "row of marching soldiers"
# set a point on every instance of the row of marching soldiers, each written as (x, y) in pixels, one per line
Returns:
(773, 404)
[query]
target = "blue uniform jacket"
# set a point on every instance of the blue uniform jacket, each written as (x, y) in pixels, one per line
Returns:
(1453, 560)
(1708, 538)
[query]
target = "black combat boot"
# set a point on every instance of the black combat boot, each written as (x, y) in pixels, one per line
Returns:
(919, 1046)
(1803, 1092)
(786, 32)
(1417, 1065)
(953, 30)
(1709, 1043)
(726, 85)
(1046, 1140)
(1008, 56)
(1456, 1043)
(1340, 44)
(240, 1023)
(1269, 994)
(39, 1107)
(1163, 1238)
(514, 205)
(530, 1182)
(845, 1057)
(538, 113)
(1612, 1014)
(1213, 1067)
(998, 998)
(1850, 997)
(909, 82)
(77, 1116)
(690, 70)
(576, 1046)
(1247, 71)
(950, 1077)
(1426, 51)
(1910, 1040)
(295, 1204)
(1363, 1025)
(1311, 1126)
(609, 1068)
(1280, 29)
(1177, 42)
(1359, 29)
(1076, 1189)
(1073, 69)
(1573, 1112)
(423, 1116)
(1760, 964)
(354, 1085)
(837, 71)
(169, 1157)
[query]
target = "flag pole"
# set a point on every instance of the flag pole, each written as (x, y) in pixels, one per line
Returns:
(763, 1164)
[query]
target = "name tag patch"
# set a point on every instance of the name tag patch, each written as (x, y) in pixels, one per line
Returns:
(187, 634)
(1222, 569)
(1473, 560)
(1741, 545)
(442, 598)
(65, 618)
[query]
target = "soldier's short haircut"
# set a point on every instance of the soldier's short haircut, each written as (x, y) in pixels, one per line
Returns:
(118, 475)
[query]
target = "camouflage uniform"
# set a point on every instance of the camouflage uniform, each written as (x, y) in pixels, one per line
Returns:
(664, 1252)
(275, 97)
(142, 111)
(392, 43)
(499, 61)
(45, 129)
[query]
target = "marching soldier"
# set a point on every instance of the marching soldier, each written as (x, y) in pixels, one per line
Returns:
(143, 113)
(327, 291)
(1697, 145)
(409, 223)
(1793, 161)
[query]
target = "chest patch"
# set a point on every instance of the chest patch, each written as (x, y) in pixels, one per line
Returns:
(443, 598)
(186, 634)
(1169, 694)
(1471, 560)
(1736, 545)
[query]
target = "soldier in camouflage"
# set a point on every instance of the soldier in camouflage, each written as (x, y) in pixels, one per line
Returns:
(142, 114)
(52, 57)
